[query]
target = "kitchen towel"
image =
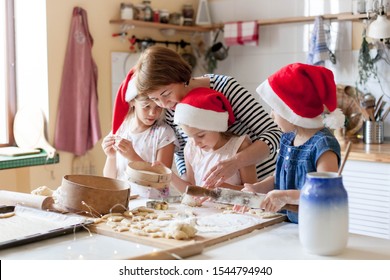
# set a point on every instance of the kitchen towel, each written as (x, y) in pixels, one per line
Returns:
(318, 49)
(78, 125)
(241, 33)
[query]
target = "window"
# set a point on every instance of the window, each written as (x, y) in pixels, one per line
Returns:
(7, 72)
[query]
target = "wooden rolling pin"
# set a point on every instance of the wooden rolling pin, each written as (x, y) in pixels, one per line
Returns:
(10, 198)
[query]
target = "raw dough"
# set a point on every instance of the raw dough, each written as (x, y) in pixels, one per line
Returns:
(189, 200)
(180, 231)
(43, 190)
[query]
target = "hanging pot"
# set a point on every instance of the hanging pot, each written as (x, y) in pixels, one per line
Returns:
(219, 51)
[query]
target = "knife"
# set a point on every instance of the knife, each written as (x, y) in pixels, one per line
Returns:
(228, 196)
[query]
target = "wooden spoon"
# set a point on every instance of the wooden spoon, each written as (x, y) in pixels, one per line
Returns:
(347, 150)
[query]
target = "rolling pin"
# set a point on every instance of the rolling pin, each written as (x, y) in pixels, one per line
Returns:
(10, 198)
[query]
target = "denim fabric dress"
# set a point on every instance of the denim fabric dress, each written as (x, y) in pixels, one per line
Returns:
(294, 163)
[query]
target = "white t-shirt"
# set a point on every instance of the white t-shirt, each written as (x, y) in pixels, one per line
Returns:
(145, 144)
(202, 161)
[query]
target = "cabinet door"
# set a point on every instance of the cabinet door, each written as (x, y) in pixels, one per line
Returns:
(368, 187)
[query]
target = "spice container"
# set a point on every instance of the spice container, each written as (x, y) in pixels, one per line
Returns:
(127, 12)
(164, 16)
(175, 18)
(188, 11)
(323, 214)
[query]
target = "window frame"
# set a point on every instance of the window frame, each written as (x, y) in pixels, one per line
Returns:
(10, 72)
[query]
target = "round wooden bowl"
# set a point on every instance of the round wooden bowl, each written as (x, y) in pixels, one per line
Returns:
(144, 174)
(94, 195)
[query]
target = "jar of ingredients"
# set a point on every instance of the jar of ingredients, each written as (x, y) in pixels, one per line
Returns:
(188, 11)
(127, 12)
(148, 11)
(323, 214)
(164, 16)
(175, 18)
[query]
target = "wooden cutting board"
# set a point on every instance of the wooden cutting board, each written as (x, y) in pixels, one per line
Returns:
(204, 238)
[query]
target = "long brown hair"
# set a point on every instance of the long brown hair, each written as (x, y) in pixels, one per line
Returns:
(160, 66)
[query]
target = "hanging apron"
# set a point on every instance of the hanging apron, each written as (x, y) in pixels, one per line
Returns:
(78, 125)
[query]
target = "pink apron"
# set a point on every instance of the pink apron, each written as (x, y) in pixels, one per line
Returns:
(78, 125)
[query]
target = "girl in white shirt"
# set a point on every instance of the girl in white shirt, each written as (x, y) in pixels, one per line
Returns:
(140, 135)
(204, 116)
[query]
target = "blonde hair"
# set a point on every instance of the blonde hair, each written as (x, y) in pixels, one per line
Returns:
(160, 66)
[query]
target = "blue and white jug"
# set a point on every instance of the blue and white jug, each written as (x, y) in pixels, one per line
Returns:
(323, 214)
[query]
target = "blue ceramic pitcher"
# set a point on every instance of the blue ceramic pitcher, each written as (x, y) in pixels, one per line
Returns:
(323, 214)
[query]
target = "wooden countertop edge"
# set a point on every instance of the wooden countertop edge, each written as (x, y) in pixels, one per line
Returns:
(367, 152)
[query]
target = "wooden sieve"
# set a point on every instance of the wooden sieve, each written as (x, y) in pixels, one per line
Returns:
(144, 174)
(93, 195)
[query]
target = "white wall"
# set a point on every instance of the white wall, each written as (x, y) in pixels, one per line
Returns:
(286, 43)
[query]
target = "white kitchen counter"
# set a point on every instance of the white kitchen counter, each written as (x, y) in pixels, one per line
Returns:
(277, 242)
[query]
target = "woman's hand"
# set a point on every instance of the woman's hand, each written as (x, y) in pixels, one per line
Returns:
(108, 145)
(222, 171)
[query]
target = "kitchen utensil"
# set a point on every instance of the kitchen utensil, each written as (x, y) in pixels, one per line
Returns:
(29, 130)
(385, 114)
(34, 201)
(229, 196)
(61, 225)
(368, 103)
(379, 110)
(93, 195)
(146, 174)
(347, 150)
(378, 106)
(347, 101)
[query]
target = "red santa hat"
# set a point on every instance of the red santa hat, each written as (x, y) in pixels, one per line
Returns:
(298, 92)
(205, 109)
(127, 91)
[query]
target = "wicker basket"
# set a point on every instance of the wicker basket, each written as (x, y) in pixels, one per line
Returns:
(144, 174)
(94, 195)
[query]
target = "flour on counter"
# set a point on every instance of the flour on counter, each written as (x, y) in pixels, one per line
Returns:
(225, 222)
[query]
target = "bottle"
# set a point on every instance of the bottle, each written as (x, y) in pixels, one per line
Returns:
(323, 214)
(148, 12)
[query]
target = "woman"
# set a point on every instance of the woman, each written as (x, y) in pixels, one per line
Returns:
(165, 78)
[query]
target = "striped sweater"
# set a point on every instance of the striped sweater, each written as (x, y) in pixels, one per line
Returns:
(251, 119)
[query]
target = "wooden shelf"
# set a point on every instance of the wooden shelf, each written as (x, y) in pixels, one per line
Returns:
(202, 28)
(162, 26)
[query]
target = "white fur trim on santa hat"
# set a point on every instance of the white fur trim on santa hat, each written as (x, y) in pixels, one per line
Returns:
(275, 102)
(200, 118)
(131, 91)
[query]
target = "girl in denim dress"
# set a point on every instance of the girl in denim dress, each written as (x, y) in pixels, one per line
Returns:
(304, 105)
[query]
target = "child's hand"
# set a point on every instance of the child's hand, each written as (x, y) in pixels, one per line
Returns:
(274, 201)
(108, 145)
(125, 148)
(249, 188)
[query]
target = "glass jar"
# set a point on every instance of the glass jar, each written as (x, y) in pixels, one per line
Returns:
(175, 18)
(323, 214)
(127, 11)
(188, 11)
(164, 16)
(148, 11)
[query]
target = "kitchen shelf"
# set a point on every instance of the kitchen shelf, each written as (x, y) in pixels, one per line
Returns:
(207, 28)
(162, 26)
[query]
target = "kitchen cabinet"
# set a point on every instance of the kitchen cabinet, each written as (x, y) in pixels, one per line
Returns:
(366, 177)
